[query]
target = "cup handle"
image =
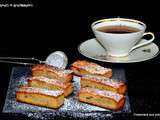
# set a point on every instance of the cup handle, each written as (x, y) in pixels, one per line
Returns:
(144, 43)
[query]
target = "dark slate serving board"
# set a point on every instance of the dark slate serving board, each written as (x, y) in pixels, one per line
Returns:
(72, 108)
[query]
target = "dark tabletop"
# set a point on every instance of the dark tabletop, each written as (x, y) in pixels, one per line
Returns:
(33, 33)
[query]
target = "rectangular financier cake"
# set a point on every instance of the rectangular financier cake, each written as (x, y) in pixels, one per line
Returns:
(52, 72)
(103, 83)
(40, 97)
(102, 98)
(83, 67)
(50, 84)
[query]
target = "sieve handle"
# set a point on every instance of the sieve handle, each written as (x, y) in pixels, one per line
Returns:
(19, 60)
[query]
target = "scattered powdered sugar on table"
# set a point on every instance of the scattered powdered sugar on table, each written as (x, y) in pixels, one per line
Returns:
(72, 108)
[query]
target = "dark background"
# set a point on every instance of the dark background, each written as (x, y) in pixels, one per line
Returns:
(51, 26)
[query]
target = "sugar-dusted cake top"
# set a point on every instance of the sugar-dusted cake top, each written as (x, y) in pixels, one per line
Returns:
(53, 93)
(112, 95)
(103, 80)
(58, 71)
(91, 67)
(50, 81)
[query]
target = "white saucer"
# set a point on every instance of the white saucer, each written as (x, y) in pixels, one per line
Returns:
(92, 49)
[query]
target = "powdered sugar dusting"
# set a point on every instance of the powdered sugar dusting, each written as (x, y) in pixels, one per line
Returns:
(53, 93)
(115, 96)
(50, 81)
(91, 67)
(106, 81)
(47, 68)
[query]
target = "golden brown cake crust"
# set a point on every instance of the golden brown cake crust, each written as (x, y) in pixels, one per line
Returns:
(117, 85)
(50, 81)
(58, 71)
(110, 108)
(26, 89)
(51, 84)
(116, 101)
(103, 80)
(56, 108)
(107, 94)
(50, 71)
(90, 68)
(40, 97)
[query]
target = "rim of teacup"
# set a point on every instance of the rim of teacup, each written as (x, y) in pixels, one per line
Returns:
(118, 19)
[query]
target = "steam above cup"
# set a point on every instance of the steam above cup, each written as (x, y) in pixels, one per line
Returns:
(119, 36)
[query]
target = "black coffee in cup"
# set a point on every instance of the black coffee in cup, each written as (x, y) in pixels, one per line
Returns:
(117, 29)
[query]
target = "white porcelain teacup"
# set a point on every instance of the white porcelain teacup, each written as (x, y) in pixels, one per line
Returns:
(119, 36)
